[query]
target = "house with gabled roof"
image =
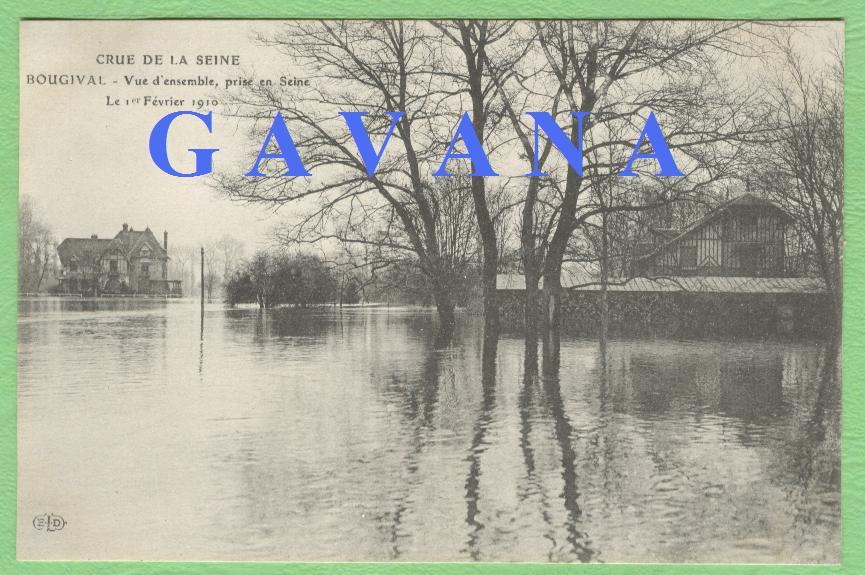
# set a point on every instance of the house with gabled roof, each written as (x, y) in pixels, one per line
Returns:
(132, 262)
(743, 237)
(726, 271)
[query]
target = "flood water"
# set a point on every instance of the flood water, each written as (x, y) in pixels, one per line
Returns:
(350, 435)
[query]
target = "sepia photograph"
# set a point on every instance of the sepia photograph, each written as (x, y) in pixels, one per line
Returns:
(544, 291)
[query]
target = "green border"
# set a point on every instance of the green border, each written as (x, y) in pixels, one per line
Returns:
(853, 466)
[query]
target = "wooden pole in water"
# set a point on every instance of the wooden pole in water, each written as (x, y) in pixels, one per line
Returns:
(201, 337)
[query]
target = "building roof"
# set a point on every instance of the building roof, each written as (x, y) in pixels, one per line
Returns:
(745, 200)
(82, 248)
(127, 241)
(666, 233)
(705, 284)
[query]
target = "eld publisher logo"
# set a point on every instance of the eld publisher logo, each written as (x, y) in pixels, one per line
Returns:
(49, 522)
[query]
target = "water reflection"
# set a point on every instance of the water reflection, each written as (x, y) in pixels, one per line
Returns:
(478, 442)
(364, 435)
(544, 393)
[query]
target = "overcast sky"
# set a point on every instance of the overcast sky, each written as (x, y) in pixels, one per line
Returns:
(86, 165)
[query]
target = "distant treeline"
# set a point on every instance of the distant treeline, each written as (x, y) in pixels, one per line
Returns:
(746, 107)
(273, 278)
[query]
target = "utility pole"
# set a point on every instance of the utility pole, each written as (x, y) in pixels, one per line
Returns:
(201, 337)
(202, 286)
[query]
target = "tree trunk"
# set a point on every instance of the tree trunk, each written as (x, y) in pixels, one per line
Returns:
(445, 307)
(475, 58)
(532, 305)
(837, 280)
(605, 276)
(531, 264)
(42, 275)
(829, 262)
(834, 287)
(491, 308)
(552, 300)
(556, 251)
(487, 232)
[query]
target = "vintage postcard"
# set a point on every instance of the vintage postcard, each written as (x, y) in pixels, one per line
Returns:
(430, 290)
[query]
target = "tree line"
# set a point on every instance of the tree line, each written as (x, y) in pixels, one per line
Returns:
(444, 240)
(273, 278)
(36, 249)
(221, 257)
(778, 129)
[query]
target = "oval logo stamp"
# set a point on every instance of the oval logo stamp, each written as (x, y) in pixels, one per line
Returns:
(49, 522)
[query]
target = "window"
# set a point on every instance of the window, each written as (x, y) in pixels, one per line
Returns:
(688, 257)
(145, 269)
(113, 266)
(145, 252)
(73, 266)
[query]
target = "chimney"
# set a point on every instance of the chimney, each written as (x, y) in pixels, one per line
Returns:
(165, 240)
(125, 227)
(94, 237)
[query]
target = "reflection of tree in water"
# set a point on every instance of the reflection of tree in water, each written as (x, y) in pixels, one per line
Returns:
(478, 444)
(750, 387)
(812, 454)
(408, 390)
(822, 423)
(775, 401)
(530, 382)
(418, 401)
(641, 413)
(579, 540)
(551, 400)
(828, 394)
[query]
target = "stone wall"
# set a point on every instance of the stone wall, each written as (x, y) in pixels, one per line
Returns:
(683, 313)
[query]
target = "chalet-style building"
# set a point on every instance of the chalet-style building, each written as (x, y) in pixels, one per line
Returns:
(726, 272)
(743, 237)
(132, 262)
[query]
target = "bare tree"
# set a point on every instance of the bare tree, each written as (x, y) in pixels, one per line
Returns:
(186, 260)
(230, 251)
(178, 263)
(806, 173)
(366, 243)
(36, 248)
(211, 277)
(473, 39)
(261, 272)
(375, 67)
(618, 72)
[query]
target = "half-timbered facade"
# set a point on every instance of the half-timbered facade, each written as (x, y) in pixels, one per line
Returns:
(132, 262)
(743, 237)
